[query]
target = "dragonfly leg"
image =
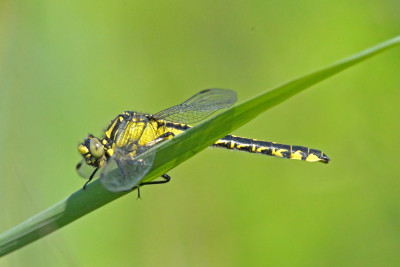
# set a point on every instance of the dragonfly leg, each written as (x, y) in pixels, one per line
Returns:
(90, 178)
(166, 177)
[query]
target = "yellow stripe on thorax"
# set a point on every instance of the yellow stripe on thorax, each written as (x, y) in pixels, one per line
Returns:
(149, 134)
(111, 127)
(136, 130)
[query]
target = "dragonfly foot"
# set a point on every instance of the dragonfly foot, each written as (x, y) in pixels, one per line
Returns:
(166, 177)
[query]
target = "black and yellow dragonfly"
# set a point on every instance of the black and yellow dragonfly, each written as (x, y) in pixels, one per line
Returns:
(120, 153)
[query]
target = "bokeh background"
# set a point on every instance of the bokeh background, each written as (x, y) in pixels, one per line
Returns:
(68, 67)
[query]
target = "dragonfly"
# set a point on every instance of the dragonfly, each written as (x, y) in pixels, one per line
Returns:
(126, 152)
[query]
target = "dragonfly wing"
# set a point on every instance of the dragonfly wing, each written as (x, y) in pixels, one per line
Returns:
(199, 106)
(124, 173)
(84, 170)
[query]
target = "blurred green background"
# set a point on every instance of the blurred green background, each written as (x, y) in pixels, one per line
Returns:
(68, 67)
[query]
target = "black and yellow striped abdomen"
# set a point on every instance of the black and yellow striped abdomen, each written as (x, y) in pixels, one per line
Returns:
(170, 129)
(271, 149)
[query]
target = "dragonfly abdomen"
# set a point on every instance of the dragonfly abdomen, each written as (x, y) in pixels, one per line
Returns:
(271, 149)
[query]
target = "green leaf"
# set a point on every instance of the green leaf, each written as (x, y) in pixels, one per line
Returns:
(174, 152)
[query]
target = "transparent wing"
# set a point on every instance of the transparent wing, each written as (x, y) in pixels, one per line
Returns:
(132, 161)
(123, 173)
(85, 170)
(199, 106)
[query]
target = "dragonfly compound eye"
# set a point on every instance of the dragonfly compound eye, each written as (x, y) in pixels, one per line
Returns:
(96, 148)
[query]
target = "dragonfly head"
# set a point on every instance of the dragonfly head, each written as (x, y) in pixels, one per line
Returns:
(93, 151)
